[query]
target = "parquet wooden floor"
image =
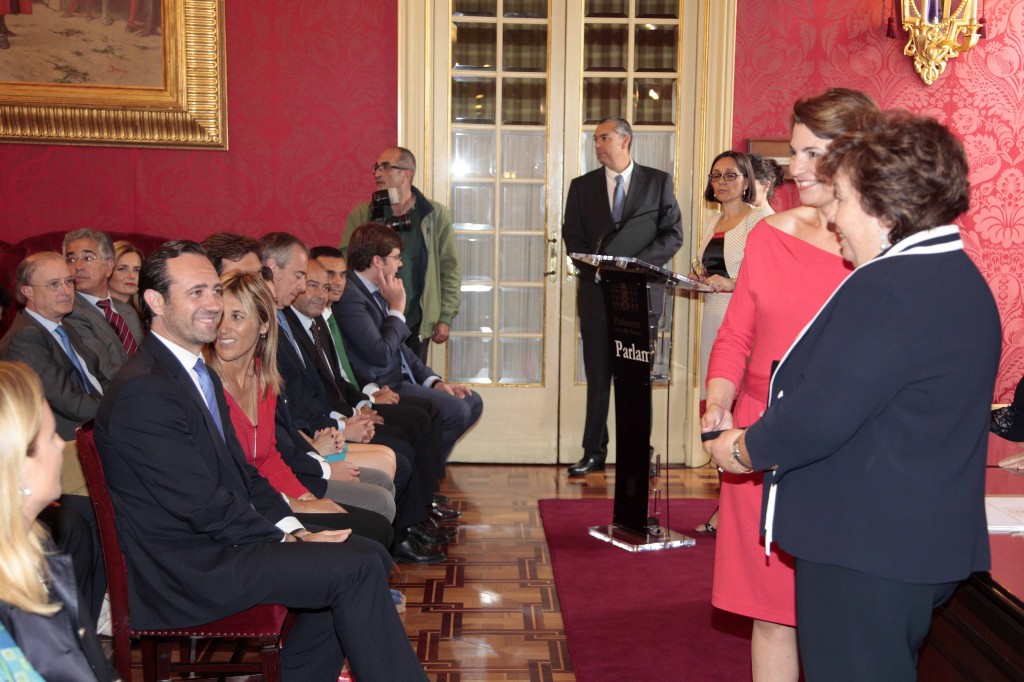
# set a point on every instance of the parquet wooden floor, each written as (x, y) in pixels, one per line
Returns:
(490, 612)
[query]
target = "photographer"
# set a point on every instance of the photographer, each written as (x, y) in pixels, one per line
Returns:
(430, 257)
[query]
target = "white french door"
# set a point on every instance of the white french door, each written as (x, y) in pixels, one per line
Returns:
(499, 98)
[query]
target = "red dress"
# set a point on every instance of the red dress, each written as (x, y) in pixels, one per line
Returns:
(259, 443)
(783, 282)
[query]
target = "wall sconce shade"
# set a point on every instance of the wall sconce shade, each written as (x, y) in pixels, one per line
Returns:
(939, 31)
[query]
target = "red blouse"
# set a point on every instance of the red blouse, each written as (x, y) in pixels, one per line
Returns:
(259, 443)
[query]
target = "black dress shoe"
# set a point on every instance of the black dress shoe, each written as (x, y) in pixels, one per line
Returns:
(410, 551)
(443, 513)
(586, 465)
(437, 527)
(441, 499)
(428, 537)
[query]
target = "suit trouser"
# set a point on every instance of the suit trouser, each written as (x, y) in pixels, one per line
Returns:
(345, 610)
(856, 627)
(422, 424)
(458, 415)
(363, 523)
(374, 491)
(597, 362)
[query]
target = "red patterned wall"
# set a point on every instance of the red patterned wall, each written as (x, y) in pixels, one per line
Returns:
(311, 102)
(789, 50)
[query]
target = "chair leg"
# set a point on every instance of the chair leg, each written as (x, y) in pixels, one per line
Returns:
(270, 659)
(123, 655)
(150, 662)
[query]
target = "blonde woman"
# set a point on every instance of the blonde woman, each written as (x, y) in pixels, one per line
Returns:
(38, 600)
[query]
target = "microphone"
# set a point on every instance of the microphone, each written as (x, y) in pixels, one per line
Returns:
(616, 226)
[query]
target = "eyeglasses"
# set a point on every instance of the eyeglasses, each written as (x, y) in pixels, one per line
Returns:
(56, 284)
(89, 258)
(397, 258)
(387, 166)
(727, 176)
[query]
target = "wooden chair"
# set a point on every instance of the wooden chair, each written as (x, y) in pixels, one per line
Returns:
(263, 623)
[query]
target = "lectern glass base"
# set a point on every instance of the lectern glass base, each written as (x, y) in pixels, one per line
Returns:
(635, 542)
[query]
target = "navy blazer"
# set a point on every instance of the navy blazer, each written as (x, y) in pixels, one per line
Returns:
(347, 396)
(650, 229)
(305, 392)
(190, 509)
(879, 419)
(374, 340)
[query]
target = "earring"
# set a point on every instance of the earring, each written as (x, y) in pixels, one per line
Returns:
(263, 336)
(885, 244)
(25, 491)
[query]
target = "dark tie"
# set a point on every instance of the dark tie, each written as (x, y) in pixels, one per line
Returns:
(339, 345)
(322, 357)
(406, 370)
(209, 393)
(115, 320)
(70, 350)
(619, 199)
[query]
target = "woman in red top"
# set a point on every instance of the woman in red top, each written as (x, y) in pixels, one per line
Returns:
(792, 263)
(245, 362)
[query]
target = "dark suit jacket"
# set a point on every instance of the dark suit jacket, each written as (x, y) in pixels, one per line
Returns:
(650, 229)
(374, 340)
(306, 394)
(191, 512)
(879, 421)
(96, 332)
(347, 395)
(29, 342)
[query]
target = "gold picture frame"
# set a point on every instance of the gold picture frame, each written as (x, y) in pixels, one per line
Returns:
(188, 111)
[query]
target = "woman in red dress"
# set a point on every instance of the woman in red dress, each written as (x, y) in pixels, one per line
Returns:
(792, 264)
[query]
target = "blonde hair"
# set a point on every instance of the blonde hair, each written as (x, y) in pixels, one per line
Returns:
(23, 567)
(254, 294)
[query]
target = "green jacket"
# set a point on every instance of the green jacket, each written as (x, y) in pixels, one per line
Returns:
(442, 284)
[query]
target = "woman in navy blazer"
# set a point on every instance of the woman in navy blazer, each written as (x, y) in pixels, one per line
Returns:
(875, 440)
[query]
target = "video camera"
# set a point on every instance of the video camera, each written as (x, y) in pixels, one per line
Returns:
(381, 212)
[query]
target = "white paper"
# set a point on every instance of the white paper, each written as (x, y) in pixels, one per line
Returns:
(1005, 513)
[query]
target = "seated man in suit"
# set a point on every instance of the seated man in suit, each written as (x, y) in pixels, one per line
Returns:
(71, 370)
(374, 330)
(315, 404)
(204, 534)
(109, 325)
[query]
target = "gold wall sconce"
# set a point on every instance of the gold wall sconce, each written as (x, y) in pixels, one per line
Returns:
(939, 31)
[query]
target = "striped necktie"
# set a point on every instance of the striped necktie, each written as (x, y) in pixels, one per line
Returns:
(115, 320)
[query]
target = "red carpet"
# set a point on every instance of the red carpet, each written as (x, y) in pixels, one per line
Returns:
(641, 616)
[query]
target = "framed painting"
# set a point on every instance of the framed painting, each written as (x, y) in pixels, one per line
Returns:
(774, 148)
(145, 73)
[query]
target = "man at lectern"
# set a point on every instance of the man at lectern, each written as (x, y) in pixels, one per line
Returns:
(620, 209)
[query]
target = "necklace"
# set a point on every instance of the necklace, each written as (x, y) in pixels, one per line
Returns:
(248, 386)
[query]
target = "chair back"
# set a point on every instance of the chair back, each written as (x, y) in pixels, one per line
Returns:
(113, 558)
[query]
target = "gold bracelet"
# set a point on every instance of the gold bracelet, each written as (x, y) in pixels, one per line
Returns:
(735, 452)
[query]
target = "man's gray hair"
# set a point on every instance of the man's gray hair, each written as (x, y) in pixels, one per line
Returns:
(101, 238)
(622, 127)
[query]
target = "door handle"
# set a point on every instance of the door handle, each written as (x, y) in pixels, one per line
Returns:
(552, 270)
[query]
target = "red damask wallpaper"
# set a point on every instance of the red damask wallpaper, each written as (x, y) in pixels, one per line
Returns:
(311, 102)
(800, 47)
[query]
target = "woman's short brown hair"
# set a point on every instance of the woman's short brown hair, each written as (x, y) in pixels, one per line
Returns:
(835, 111)
(910, 172)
